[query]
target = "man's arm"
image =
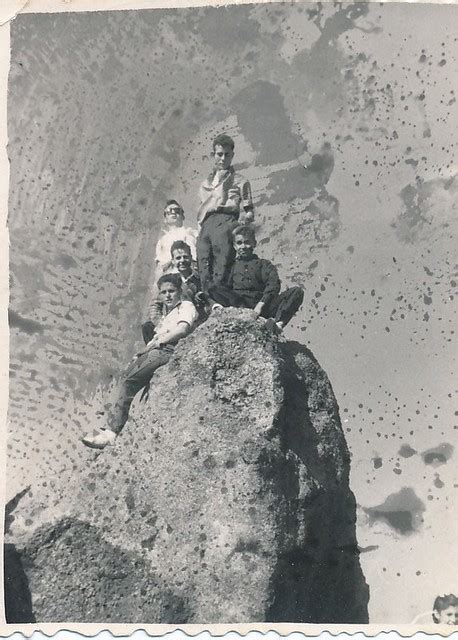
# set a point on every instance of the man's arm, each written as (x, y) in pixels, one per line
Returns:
(247, 203)
(246, 217)
(271, 282)
(191, 287)
(172, 335)
(239, 201)
(161, 252)
(180, 331)
(155, 310)
(184, 325)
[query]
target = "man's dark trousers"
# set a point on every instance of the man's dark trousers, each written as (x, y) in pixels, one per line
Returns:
(215, 253)
(282, 307)
(134, 378)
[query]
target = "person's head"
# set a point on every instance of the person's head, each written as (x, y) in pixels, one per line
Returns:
(445, 610)
(181, 257)
(223, 151)
(244, 241)
(169, 286)
(173, 214)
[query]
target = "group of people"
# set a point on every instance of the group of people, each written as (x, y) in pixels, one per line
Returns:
(198, 273)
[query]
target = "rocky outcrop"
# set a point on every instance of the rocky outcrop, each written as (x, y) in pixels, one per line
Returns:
(226, 499)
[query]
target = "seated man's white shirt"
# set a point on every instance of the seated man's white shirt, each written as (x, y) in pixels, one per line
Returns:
(185, 311)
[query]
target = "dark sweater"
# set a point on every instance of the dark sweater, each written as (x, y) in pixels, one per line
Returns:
(255, 279)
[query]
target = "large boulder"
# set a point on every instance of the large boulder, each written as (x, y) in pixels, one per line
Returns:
(225, 499)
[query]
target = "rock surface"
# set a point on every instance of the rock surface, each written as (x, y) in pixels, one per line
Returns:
(350, 158)
(226, 499)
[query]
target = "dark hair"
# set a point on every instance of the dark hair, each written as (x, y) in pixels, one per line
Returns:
(180, 244)
(173, 278)
(224, 141)
(246, 231)
(444, 602)
(169, 202)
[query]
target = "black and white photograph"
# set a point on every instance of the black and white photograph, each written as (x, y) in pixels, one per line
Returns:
(232, 309)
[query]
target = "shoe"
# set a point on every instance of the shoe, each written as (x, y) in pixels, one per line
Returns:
(100, 440)
(217, 306)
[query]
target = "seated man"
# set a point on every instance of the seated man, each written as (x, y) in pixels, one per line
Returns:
(178, 320)
(445, 610)
(254, 283)
(181, 264)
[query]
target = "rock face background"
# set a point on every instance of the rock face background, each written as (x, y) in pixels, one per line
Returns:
(225, 500)
(345, 121)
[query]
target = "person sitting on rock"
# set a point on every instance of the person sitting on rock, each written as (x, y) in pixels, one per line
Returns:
(254, 283)
(225, 198)
(181, 264)
(179, 318)
(174, 230)
(445, 610)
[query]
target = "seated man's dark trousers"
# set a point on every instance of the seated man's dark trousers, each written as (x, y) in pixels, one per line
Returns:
(282, 307)
(215, 253)
(134, 378)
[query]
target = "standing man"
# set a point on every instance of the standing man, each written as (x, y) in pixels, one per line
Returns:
(225, 198)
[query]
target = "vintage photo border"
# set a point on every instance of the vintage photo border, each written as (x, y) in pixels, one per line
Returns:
(8, 11)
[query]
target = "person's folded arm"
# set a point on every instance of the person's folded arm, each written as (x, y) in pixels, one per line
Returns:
(272, 284)
(181, 330)
(170, 336)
